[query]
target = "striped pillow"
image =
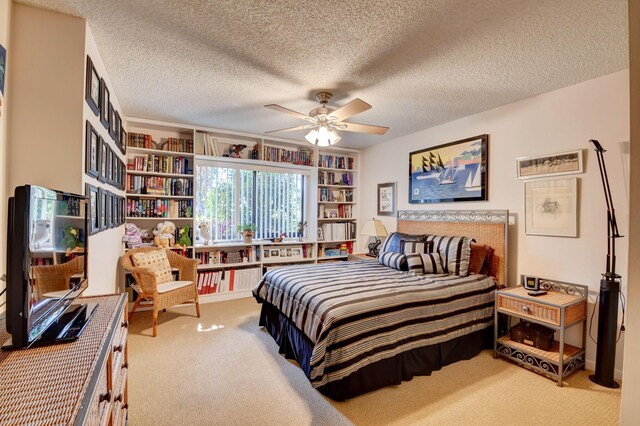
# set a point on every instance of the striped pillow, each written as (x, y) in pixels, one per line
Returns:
(409, 247)
(392, 243)
(414, 263)
(455, 253)
(393, 260)
(431, 263)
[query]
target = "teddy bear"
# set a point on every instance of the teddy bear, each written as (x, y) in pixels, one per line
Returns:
(164, 234)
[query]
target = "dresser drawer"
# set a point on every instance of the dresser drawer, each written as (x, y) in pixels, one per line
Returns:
(526, 308)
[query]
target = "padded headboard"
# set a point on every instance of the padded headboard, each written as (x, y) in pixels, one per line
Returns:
(488, 227)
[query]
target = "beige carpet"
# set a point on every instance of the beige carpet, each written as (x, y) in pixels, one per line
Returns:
(222, 369)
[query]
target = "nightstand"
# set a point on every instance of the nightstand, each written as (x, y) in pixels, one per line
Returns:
(360, 256)
(563, 307)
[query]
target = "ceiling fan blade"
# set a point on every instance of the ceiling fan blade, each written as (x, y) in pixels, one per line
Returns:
(290, 129)
(354, 107)
(364, 128)
(287, 111)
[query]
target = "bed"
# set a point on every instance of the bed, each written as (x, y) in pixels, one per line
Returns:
(354, 327)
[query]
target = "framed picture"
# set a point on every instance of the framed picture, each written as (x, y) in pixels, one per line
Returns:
(94, 208)
(551, 207)
(117, 128)
(387, 199)
(102, 160)
(564, 163)
(92, 146)
(457, 171)
(124, 210)
(109, 164)
(320, 234)
(331, 213)
(92, 88)
(108, 209)
(123, 140)
(274, 253)
(102, 208)
(105, 101)
(115, 217)
(112, 121)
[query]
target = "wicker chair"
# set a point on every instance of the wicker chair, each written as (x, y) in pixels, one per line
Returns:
(167, 294)
(54, 278)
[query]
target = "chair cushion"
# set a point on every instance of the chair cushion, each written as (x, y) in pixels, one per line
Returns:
(173, 285)
(157, 261)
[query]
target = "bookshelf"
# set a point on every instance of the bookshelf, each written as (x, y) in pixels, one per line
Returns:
(161, 184)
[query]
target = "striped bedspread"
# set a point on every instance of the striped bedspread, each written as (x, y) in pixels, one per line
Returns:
(357, 313)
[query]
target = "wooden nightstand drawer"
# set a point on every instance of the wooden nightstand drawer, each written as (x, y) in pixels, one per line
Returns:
(540, 312)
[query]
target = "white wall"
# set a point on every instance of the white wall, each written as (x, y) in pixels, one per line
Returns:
(5, 15)
(105, 248)
(630, 409)
(47, 129)
(554, 122)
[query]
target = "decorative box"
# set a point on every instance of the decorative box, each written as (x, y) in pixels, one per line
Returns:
(535, 335)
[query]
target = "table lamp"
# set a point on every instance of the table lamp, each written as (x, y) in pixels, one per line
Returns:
(374, 228)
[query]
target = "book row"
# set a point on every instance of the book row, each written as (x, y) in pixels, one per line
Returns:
(332, 178)
(153, 185)
(343, 211)
(338, 231)
(226, 281)
(160, 164)
(335, 162)
(147, 207)
(178, 145)
(335, 195)
(216, 257)
(281, 155)
(141, 140)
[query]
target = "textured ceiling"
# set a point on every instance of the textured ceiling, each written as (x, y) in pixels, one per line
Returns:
(418, 62)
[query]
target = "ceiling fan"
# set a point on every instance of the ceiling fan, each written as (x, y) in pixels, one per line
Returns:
(325, 121)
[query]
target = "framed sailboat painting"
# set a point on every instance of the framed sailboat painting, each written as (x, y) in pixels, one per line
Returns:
(456, 171)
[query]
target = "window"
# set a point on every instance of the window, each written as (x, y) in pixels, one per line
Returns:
(227, 197)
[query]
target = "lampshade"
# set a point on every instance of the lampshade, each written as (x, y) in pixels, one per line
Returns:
(322, 136)
(374, 228)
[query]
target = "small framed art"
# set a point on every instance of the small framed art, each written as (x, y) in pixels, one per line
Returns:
(92, 146)
(105, 101)
(94, 208)
(109, 165)
(564, 163)
(92, 88)
(108, 210)
(331, 213)
(102, 208)
(123, 140)
(112, 121)
(387, 199)
(117, 128)
(320, 234)
(551, 207)
(102, 160)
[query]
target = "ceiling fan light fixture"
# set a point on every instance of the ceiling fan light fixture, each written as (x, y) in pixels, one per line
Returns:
(322, 136)
(312, 137)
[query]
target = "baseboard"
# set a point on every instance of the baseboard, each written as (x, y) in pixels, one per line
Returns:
(204, 298)
(591, 365)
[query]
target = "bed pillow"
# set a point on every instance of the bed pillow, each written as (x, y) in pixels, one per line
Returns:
(431, 263)
(455, 253)
(486, 266)
(414, 263)
(393, 260)
(392, 243)
(409, 247)
(478, 256)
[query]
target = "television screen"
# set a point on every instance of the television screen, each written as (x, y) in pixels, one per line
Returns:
(47, 259)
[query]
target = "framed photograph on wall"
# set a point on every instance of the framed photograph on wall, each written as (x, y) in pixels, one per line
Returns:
(112, 121)
(105, 101)
(92, 146)
(564, 163)
(94, 208)
(108, 210)
(123, 141)
(456, 171)
(115, 217)
(92, 87)
(387, 199)
(102, 208)
(102, 160)
(551, 207)
(109, 164)
(118, 128)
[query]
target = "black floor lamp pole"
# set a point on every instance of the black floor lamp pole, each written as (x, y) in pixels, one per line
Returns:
(609, 290)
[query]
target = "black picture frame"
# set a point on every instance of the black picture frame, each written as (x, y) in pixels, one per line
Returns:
(109, 164)
(123, 175)
(105, 101)
(123, 141)
(386, 199)
(92, 87)
(117, 128)
(124, 210)
(102, 160)
(115, 211)
(94, 208)
(112, 121)
(453, 172)
(102, 208)
(109, 211)
(92, 151)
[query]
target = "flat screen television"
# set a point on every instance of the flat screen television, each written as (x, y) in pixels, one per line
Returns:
(46, 267)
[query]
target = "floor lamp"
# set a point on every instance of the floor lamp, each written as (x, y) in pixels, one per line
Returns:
(609, 290)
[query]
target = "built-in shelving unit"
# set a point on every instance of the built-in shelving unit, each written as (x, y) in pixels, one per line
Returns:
(153, 171)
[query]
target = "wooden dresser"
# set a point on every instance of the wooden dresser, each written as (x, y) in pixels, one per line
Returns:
(83, 382)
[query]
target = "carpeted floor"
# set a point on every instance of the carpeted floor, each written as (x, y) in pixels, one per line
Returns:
(222, 369)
